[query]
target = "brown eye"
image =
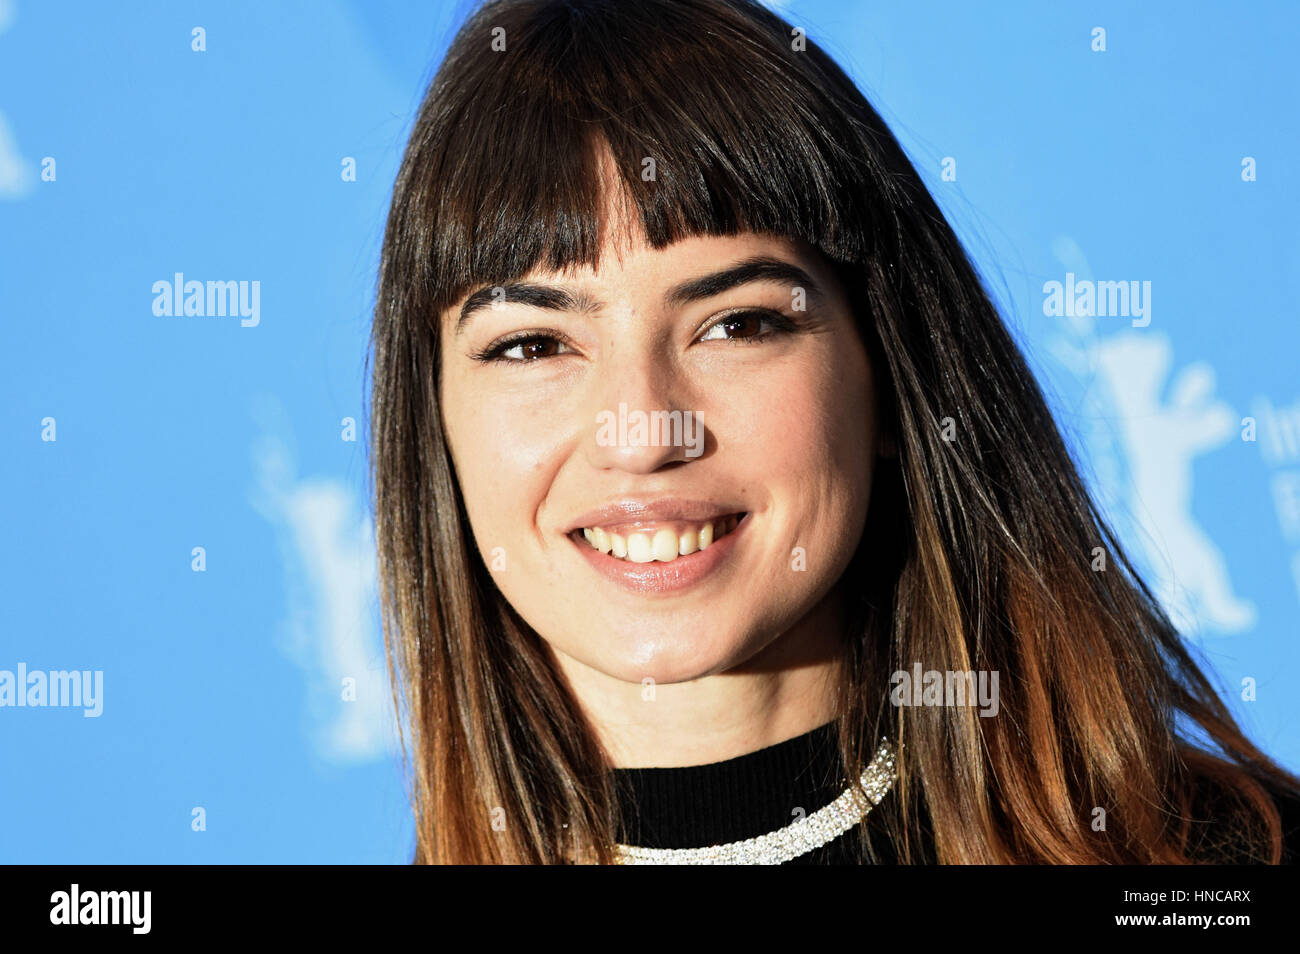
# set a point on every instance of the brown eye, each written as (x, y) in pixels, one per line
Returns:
(743, 326)
(523, 350)
(538, 348)
(748, 327)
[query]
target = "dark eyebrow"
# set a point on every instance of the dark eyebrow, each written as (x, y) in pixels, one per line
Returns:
(758, 269)
(551, 297)
(554, 298)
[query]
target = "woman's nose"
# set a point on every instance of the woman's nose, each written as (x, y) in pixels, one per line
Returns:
(635, 425)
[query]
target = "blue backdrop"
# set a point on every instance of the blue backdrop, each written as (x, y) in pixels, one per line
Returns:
(185, 497)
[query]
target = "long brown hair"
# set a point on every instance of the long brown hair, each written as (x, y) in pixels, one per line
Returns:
(983, 544)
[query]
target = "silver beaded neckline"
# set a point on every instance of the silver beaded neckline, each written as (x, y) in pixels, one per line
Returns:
(797, 838)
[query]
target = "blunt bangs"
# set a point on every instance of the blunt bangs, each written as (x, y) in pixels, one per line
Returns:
(704, 132)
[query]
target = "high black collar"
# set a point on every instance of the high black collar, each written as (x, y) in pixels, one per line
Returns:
(700, 805)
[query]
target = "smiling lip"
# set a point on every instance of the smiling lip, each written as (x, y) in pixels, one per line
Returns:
(659, 578)
(651, 511)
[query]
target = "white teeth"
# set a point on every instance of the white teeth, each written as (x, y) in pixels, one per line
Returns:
(663, 545)
(639, 548)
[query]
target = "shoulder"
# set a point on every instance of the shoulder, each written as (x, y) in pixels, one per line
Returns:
(1288, 806)
(1226, 847)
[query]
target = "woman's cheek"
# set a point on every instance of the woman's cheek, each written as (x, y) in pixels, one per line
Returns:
(782, 421)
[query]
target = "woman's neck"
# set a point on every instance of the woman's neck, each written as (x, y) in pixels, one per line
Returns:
(784, 690)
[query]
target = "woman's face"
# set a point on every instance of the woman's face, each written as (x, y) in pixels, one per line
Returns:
(714, 388)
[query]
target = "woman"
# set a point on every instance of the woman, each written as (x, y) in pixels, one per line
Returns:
(706, 472)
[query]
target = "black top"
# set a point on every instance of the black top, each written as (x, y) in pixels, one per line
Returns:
(701, 805)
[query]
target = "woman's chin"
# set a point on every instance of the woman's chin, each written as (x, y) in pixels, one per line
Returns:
(681, 655)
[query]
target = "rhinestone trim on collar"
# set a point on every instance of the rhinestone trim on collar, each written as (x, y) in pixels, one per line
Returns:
(798, 838)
